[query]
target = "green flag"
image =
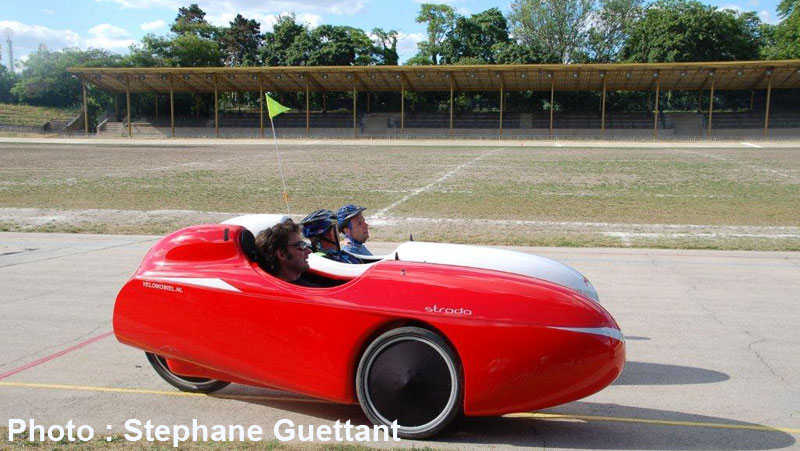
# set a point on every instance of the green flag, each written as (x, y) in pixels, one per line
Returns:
(274, 107)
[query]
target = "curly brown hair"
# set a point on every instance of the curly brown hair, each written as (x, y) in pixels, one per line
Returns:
(273, 239)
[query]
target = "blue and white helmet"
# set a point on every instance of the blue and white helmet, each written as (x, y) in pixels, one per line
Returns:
(346, 213)
(317, 223)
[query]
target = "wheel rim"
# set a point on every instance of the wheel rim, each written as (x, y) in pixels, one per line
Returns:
(199, 382)
(412, 380)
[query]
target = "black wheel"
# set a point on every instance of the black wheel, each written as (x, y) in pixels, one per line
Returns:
(184, 383)
(410, 375)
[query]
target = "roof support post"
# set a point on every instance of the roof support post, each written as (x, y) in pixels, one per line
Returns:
(172, 108)
(552, 98)
(752, 98)
(403, 104)
(216, 108)
(155, 102)
(308, 108)
(85, 111)
(128, 97)
(766, 116)
(197, 106)
(116, 106)
(502, 98)
(710, 108)
(260, 108)
(355, 98)
(368, 99)
(451, 104)
(603, 110)
(655, 116)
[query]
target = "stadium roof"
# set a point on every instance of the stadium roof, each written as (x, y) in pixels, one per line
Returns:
(728, 75)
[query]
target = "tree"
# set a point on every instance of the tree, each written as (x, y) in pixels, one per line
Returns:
(610, 29)
(45, 81)
(687, 30)
(385, 46)
(557, 26)
(241, 42)
(7, 81)
(284, 45)
(476, 38)
(335, 45)
(441, 20)
(192, 20)
(786, 35)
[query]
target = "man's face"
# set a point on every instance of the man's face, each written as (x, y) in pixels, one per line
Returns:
(296, 259)
(359, 229)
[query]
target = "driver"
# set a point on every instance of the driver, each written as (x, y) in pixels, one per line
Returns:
(355, 229)
(283, 253)
(320, 228)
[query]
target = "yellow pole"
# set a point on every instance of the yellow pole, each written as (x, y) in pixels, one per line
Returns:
(451, 104)
(308, 109)
(552, 98)
(216, 108)
(766, 116)
(710, 107)
(603, 110)
(172, 109)
(502, 98)
(128, 96)
(655, 119)
(402, 105)
(355, 98)
(85, 111)
(261, 108)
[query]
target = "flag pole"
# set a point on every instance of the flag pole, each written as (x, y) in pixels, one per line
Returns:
(280, 167)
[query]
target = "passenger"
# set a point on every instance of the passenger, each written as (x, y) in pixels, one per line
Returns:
(283, 253)
(319, 227)
(355, 229)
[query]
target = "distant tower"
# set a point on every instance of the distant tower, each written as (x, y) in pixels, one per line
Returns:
(9, 33)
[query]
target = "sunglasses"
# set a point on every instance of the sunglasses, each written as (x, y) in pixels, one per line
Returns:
(301, 245)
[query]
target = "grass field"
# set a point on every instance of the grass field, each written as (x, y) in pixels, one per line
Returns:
(725, 197)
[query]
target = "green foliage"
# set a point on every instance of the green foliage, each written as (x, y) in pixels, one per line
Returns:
(613, 24)
(784, 38)
(687, 30)
(477, 38)
(556, 26)
(7, 80)
(192, 20)
(45, 80)
(241, 42)
(386, 47)
(184, 50)
(440, 20)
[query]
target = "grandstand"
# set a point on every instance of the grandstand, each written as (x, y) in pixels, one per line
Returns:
(702, 78)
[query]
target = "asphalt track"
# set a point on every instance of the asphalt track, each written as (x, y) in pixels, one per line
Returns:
(712, 353)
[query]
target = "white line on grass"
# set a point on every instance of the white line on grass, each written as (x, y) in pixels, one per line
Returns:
(752, 145)
(752, 166)
(382, 213)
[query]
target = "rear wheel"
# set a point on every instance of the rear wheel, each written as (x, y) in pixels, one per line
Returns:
(410, 375)
(184, 383)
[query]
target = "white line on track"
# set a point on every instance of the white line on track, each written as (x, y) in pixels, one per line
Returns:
(382, 213)
(752, 145)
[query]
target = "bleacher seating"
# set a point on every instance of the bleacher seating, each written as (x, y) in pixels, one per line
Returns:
(732, 120)
(460, 120)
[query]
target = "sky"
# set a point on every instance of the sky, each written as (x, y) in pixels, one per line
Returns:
(116, 24)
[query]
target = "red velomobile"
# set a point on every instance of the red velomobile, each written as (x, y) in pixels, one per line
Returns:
(418, 336)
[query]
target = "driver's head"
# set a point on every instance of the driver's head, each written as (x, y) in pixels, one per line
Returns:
(319, 227)
(352, 223)
(284, 254)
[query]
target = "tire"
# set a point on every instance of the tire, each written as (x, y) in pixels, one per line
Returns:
(184, 383)
(410, 375)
